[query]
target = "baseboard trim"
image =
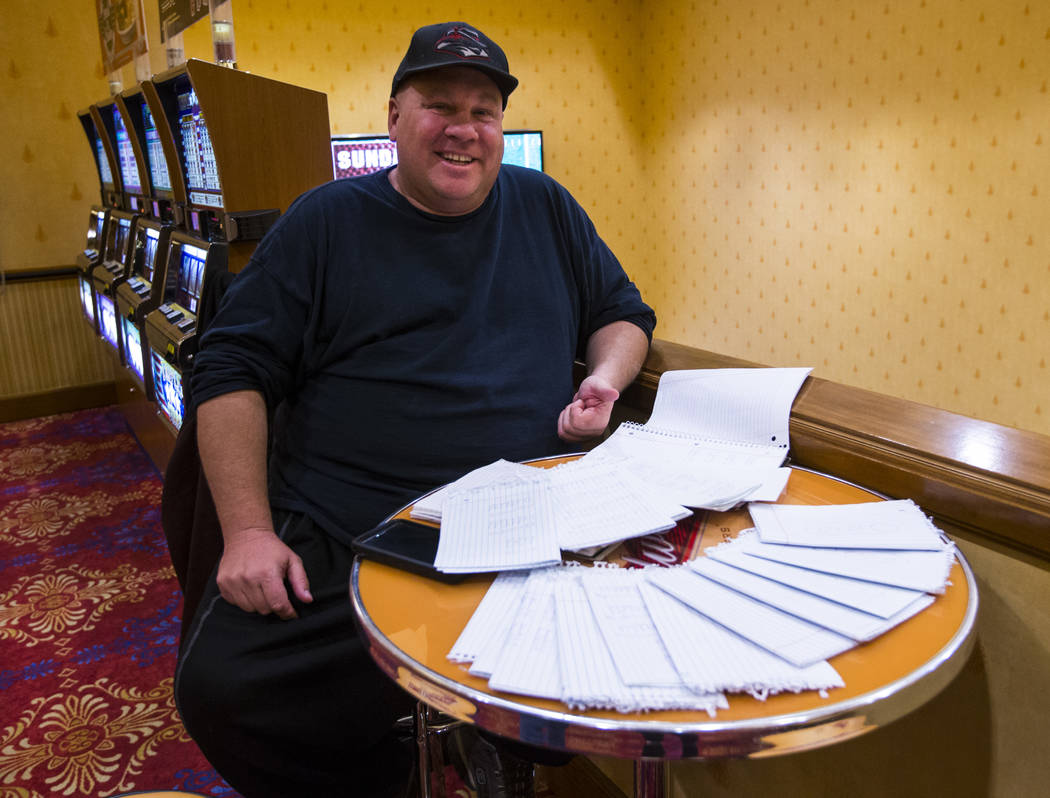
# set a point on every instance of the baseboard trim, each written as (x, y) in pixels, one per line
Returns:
(62, 400)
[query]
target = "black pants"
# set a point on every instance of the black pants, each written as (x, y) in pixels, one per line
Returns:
(293, 708)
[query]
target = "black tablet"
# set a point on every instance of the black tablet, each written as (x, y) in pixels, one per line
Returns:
(404, 544)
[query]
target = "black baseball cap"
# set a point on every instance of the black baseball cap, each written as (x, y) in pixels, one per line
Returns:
(455, 44)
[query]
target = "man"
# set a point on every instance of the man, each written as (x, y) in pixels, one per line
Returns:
(391, 333)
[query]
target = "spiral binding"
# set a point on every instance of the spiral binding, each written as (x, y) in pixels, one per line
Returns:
(630, 427)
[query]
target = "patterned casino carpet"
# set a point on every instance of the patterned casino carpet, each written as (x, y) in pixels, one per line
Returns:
(89, 617)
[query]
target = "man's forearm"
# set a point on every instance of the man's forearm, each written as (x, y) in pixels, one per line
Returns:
(231, 438)
(616, 353)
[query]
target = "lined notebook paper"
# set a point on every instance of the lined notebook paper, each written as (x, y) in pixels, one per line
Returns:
(881, 600)
(716, 438)
(597, 505)
(528, 662)
(429, 507)
(746, 409)
(689, 479)
(855, 624)
(760, 614)
(498, 526)
(626, 627)
(712, 658)
(916, 570)
(681, 449)
(799, 642)
(589, 676)
(896, 524)
(492, 617)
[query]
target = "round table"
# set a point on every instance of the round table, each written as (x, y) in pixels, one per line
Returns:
(411, 623)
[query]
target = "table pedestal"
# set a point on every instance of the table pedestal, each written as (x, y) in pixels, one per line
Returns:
(651, 778)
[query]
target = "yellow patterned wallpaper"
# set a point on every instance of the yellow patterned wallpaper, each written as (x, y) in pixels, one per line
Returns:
(851, 186)
(860, 187)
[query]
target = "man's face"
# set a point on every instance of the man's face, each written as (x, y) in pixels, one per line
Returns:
(448, 125)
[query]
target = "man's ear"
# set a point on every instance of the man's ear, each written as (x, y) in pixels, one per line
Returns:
(393, 113)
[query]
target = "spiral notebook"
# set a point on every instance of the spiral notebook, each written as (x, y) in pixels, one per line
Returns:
(724, 418)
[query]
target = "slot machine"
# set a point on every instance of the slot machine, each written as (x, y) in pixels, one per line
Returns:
(98, 215)
(141, 293)
(110, 273)
(240, 148)
(142, 289)
(114, 268)
(171, 329)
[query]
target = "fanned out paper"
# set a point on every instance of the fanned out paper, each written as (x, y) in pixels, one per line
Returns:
(881, 600)
(589, 676)
(837, 617)
(626, 627)
(492, 617)
(799, 642)
(529, 660)
(926, 571)
(711, 658)
(582, 635)
(898, 524)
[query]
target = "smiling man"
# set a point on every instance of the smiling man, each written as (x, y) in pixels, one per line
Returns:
(448, 125)
(391, 333)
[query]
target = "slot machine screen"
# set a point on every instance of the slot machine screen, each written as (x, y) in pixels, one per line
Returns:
(96, 222)
(104, 171)
(133, 348)
(107, 320)
(118, 241)
(87, 299)
(158, 164)
(198, 156)
(167, 387)
(150, 237)
(191, 275)
(129, 168)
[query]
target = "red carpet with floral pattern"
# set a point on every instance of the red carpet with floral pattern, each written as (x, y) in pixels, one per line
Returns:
(89, 617)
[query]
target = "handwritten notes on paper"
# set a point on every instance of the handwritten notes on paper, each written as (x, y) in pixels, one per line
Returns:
(733, 621)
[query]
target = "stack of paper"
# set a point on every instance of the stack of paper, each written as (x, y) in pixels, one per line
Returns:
(870, 525)
(429, 507)
(715, 439)
(890, 543)
(499, 526)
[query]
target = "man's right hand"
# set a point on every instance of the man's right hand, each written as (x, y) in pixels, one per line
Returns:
(252, 572)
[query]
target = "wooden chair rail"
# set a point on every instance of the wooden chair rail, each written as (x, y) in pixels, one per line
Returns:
(982, 478)
(39, 275)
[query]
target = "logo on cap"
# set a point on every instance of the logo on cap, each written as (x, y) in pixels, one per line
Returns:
(462, 41)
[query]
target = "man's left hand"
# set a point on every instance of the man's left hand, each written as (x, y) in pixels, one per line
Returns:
(588, 414)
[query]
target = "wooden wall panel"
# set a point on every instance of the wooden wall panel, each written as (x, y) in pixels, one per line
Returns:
(45, 344)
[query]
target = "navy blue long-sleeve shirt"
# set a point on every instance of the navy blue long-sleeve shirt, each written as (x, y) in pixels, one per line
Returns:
(404, 349)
